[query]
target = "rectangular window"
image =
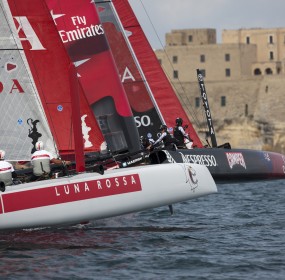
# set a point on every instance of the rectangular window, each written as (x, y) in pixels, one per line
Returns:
(270, 39)
(175, 74)
(203, 72)
(202, 58)
(271, 55)
(190, 38)
(247, 39)
(228, 72)
(227, 57)
(174, 59)
(197, 102)
(223, 101)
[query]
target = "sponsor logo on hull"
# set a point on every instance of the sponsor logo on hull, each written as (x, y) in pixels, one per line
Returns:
(235, 159)
(77, 191)
(193, 178)
(207, 160)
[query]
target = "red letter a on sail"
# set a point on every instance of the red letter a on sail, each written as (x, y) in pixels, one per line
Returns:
(16, 86)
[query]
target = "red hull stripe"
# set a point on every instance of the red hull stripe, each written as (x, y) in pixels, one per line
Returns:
(53, 195)
(5, 169)
(40, 156)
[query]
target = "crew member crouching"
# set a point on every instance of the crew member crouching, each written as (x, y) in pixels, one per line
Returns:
(41, 160)
(7, 172)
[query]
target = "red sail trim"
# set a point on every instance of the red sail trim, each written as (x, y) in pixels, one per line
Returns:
(136, 92)
(148, 118)
(164, 95)
(49, 64)
(83, 36)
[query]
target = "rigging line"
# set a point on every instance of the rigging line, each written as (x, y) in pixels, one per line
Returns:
(11, 49)
(192, 113)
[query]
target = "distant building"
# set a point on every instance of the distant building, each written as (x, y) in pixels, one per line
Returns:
(244, 78)
(270, 55)
(242, 53)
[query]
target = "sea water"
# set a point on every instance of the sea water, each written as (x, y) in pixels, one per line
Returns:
(238, 233)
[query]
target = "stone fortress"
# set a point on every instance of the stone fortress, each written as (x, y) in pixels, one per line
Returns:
(245, 82)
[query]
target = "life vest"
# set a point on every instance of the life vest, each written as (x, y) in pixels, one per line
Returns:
(179, 136)
(168, 140)
(41, 163)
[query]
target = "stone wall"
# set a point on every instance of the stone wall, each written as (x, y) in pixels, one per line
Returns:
(254, 115)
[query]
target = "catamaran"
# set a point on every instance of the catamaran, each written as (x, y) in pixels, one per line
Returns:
(141, 72)
(40, 81)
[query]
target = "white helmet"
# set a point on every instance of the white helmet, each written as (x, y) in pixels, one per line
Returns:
(2, 154)
(39, 145)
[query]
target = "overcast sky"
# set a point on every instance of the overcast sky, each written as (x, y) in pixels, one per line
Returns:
(162, 16)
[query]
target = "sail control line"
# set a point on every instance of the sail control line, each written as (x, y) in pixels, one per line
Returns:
(207, 108)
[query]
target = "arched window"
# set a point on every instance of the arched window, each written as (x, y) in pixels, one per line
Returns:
(257, 72)
(268, 71)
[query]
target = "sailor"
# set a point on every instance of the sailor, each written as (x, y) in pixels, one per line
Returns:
(7, 172)
(150, 139)
(165, 137)
(41, 160)
(180, 134)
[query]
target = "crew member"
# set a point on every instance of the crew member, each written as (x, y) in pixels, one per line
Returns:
(181, 135)
(41, 160)
(7, 172)
(165, 137)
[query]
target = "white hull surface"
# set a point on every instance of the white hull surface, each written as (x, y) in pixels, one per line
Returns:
(90, 196)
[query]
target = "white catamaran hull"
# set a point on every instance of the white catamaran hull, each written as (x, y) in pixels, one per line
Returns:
(90, 196)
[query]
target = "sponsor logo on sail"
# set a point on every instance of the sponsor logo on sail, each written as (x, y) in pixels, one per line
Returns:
(81, 29)
(206, 104)
(28, 33)
(13, 87)
(142, 120)
(235, 159)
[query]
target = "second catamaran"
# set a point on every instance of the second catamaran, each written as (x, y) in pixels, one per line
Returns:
(225, 163)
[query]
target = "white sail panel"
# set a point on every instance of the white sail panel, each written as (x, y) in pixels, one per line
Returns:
(23, 121)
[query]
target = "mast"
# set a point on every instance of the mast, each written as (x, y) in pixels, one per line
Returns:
(77, 131)
(207, 108)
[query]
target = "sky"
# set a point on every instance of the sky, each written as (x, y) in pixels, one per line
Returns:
(158, 17)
